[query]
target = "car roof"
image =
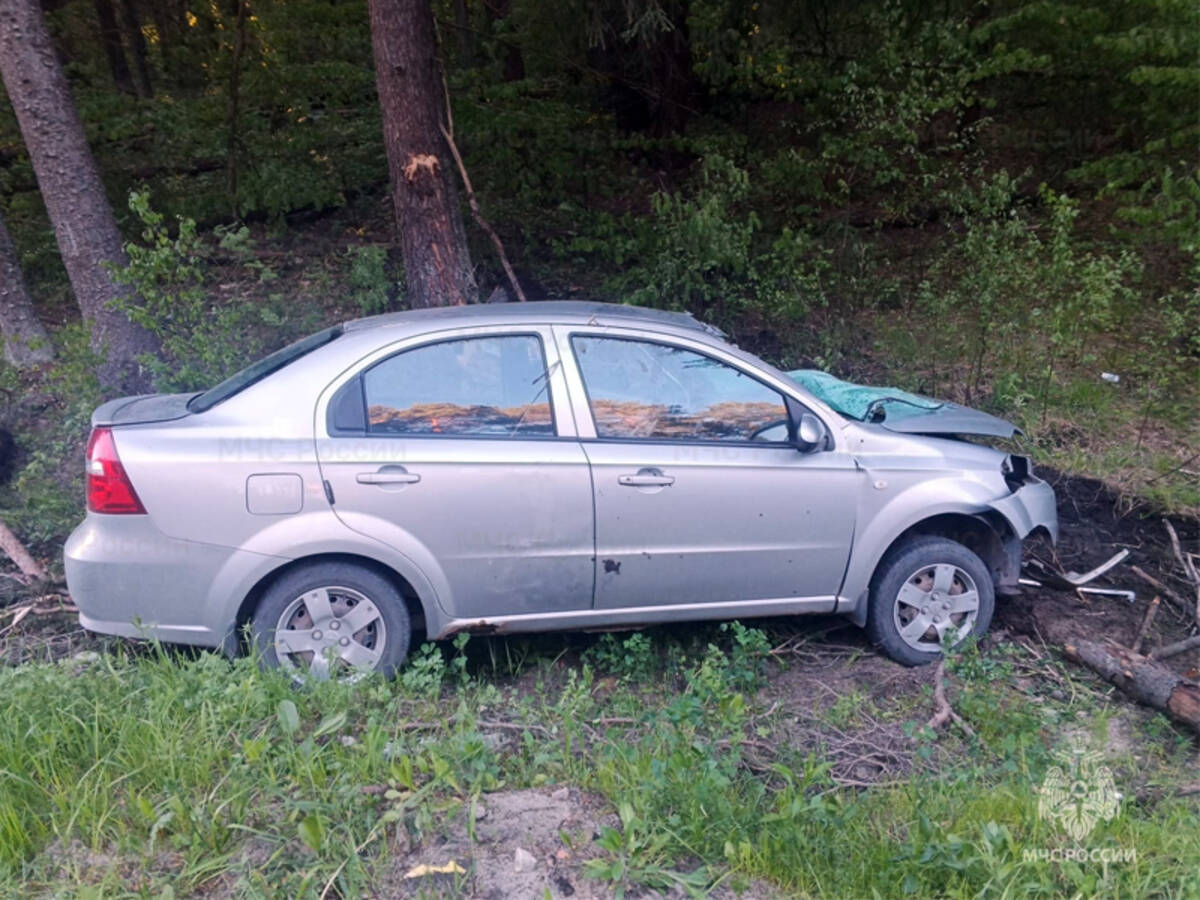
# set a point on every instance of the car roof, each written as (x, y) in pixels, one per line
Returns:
(542, 311)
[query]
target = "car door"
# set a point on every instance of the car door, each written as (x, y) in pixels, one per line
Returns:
(700, 496)
(449, 449)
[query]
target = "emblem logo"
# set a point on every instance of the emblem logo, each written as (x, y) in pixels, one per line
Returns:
(1080, 792)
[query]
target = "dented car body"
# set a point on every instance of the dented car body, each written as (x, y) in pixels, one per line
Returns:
(532, 467)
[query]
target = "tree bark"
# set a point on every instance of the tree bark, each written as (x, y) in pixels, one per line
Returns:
(25, 340)
(110, 37)
(437, 264)
(137, 42)
(466, 36)
(233, 139)
(1145, 680)
(512, 62)
(83, 222)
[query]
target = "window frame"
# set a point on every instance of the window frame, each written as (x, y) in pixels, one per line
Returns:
(791, 406)
(359, 379)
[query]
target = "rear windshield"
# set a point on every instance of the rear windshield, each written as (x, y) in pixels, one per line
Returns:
(256, 372)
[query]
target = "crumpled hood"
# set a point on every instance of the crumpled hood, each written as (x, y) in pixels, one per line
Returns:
(950, 418)
(898, 410)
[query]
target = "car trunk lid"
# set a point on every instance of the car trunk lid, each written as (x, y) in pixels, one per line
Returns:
(142, 409)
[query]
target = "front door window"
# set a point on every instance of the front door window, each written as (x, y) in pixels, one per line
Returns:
(638, 390)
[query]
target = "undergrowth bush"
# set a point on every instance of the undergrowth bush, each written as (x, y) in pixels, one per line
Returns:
(203, 339)
(707, 252)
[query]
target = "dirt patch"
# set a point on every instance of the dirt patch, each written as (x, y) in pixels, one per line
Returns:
(528, 843)
(1095, 522)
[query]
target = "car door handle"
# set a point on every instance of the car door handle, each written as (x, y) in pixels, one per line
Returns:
(646, 478)
(395, 475)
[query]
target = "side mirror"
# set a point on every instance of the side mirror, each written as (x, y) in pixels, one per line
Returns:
(810, 433)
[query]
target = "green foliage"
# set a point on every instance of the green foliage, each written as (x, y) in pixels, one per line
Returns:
(203, 340)
(47, 495)
(370, 286)
(705, 252)
(1023, 299)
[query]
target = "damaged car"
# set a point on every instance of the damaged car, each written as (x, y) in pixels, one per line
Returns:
(533, 467)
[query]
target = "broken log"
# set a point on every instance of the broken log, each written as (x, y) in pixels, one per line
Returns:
(1143, 679)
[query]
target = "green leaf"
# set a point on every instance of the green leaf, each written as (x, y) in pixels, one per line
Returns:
(289, 717)
(312, 832)
(330, 724)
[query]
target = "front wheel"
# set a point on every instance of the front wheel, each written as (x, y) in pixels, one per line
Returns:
(927, 594)
(332, 620)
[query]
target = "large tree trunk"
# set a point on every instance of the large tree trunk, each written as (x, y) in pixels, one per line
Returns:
(83, 221)
(137, 41)
(233, 143)
(110, 37)
(25, 340)
(466, 36)
(437, 264)
(512, 63)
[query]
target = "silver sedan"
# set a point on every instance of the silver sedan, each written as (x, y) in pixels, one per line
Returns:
(535, 467)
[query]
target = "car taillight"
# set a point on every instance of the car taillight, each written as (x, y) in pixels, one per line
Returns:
(109, 489)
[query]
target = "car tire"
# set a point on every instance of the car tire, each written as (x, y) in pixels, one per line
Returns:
(376, 638)
(930, 581)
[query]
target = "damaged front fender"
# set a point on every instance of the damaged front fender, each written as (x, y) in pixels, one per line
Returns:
(1029, 508)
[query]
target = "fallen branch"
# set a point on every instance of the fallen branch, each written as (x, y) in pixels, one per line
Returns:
(16, 551)
(1143, 679)
(945, 712)
(472, 202)
(1143, 631)
(1185, 563)
(1176, 648)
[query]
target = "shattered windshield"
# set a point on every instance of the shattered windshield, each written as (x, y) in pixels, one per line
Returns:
(861, 402)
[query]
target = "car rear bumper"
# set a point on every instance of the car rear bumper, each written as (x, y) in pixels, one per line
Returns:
(130, 579)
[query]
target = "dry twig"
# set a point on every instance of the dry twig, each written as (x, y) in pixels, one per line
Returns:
(1176, 648)
(1185, 563)
(1147, 620)
(1165, 591)
(945, 712)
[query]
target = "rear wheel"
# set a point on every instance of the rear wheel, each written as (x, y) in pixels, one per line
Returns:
(332, 620)
(927, 594)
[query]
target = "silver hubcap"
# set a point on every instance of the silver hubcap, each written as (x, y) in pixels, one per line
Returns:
(330, 632)
(937, 606)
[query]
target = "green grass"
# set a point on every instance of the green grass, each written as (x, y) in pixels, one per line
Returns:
(134, 773)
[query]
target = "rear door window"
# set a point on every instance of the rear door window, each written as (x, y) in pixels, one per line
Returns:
(493, 386)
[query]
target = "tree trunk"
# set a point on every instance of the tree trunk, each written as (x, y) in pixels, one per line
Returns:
(137, 41)
(512, 63)
(25, 340)
(83, 221)
(437, 264)
(466, 36)
(110, 37)
(1145, 680)
(233, 139)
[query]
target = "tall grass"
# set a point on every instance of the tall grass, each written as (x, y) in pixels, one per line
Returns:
(131, 773)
